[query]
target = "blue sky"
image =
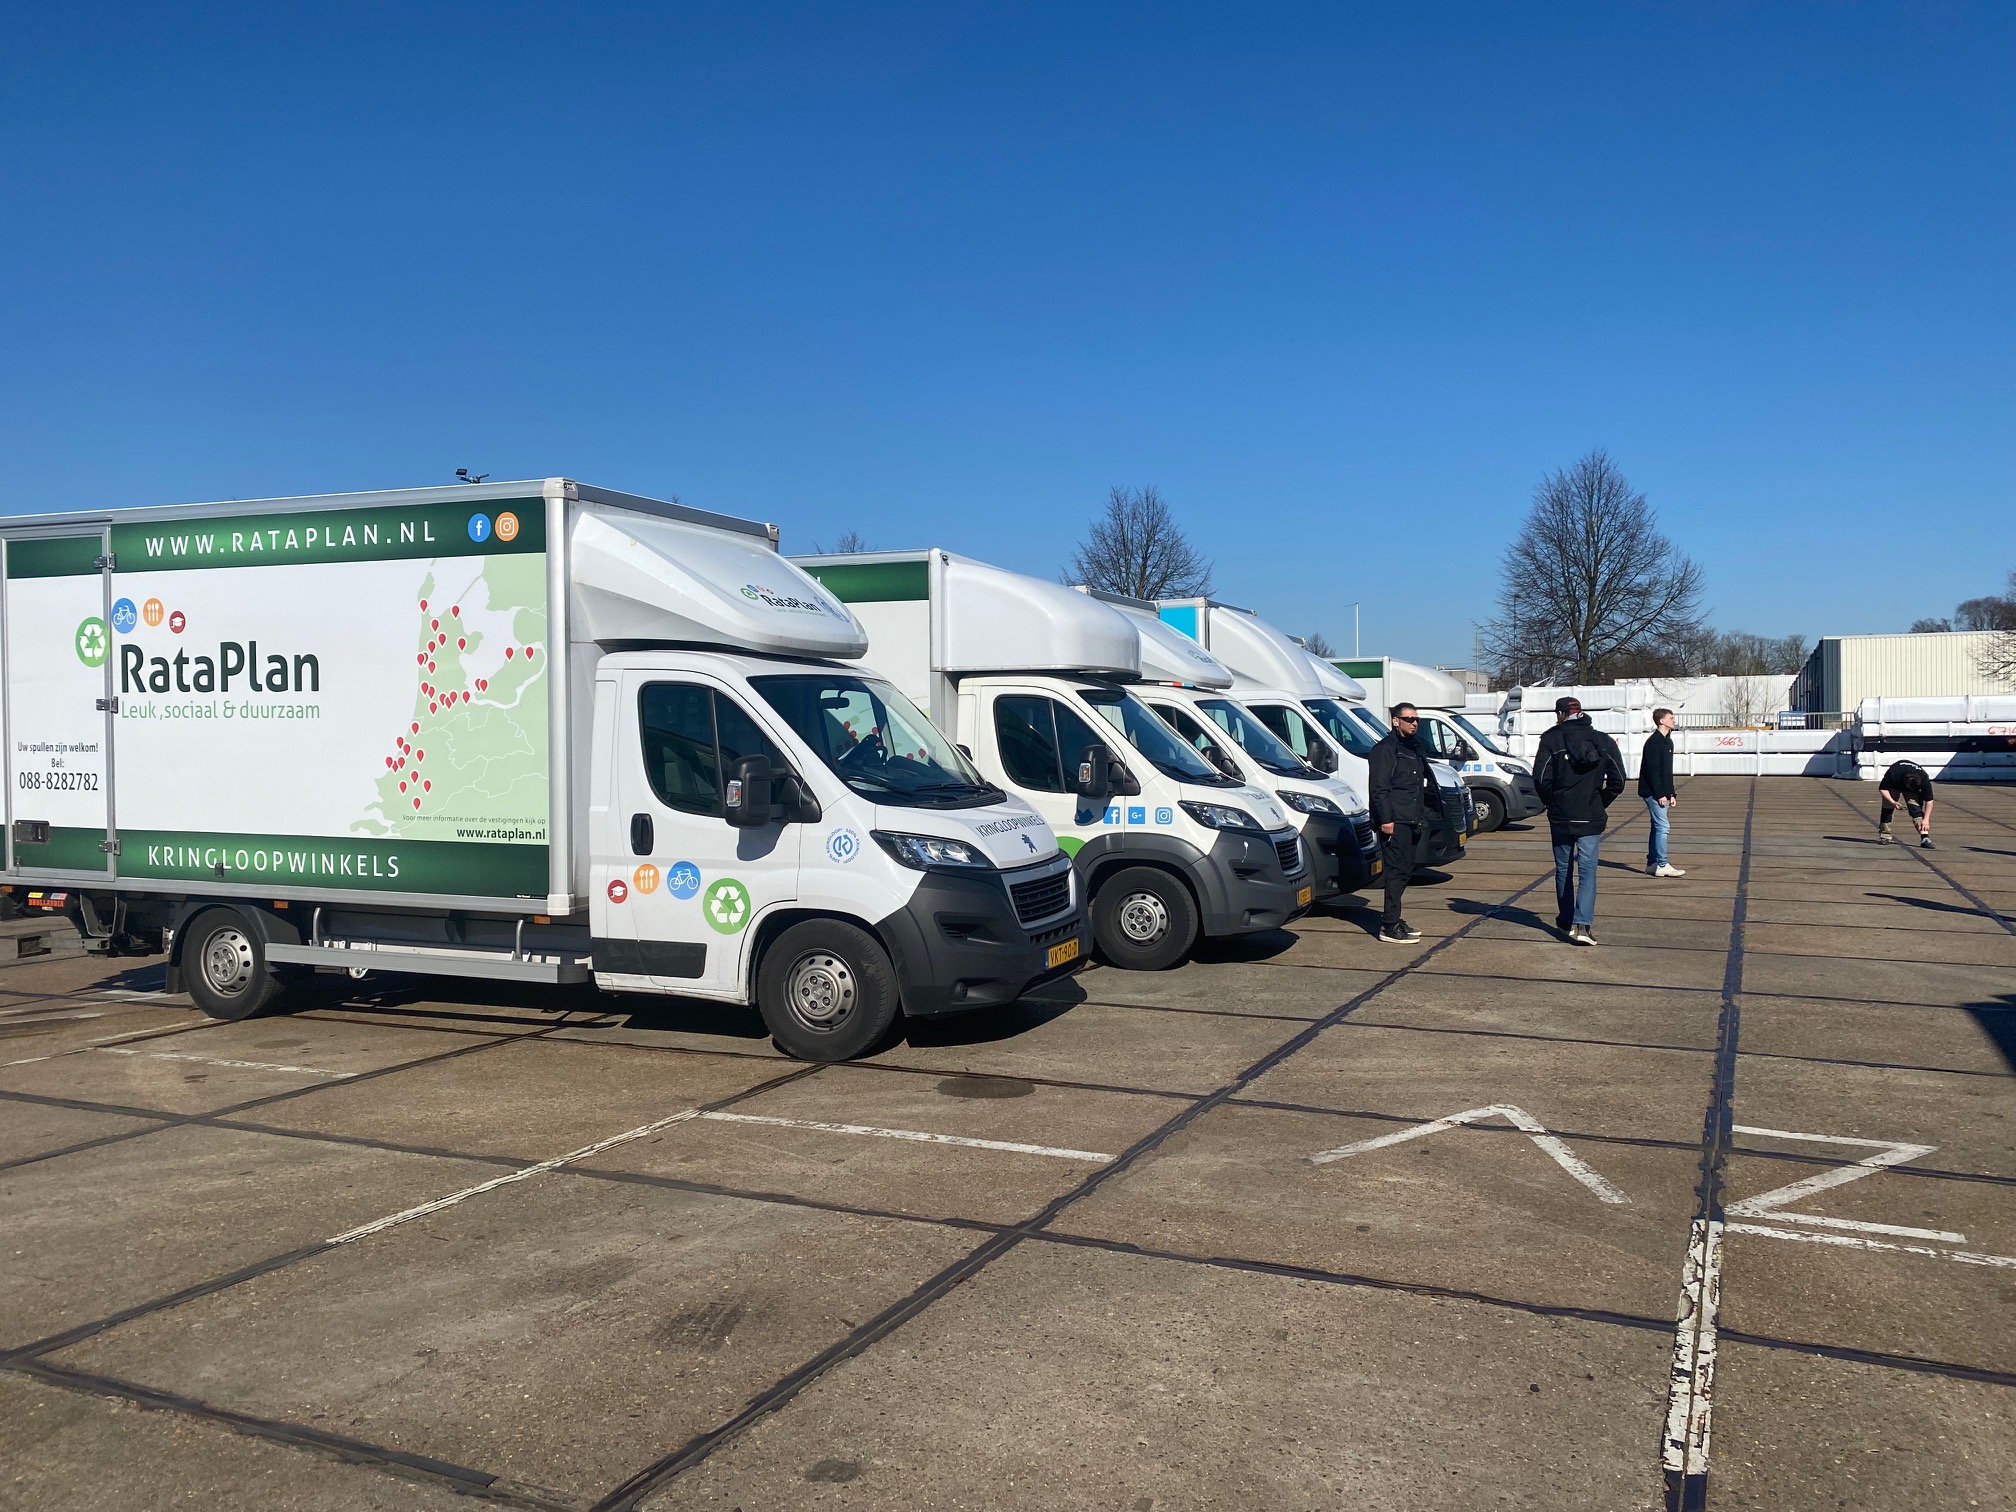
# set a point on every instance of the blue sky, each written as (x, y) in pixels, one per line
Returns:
(1343, 281)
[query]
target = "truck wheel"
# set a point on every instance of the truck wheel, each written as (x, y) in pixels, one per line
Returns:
(1143, 919)
(224, 965)
(1490, 810)
(826, 991)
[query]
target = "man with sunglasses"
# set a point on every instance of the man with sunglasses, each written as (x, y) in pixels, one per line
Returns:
(1403, 791)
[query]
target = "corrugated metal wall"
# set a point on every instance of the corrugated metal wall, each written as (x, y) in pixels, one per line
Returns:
(1911, 666)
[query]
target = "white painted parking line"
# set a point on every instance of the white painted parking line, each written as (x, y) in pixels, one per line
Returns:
(379, 1225)
(1519, 1118)
(912, 1134)
(1845, 1241)
(216, 1060)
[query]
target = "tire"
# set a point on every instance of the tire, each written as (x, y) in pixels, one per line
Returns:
(827, 991)
(1143, 920)
(224, 966)
(1490, 810)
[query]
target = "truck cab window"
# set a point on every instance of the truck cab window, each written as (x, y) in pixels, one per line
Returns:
(1334, 718)
(875, 740)
(1184, 725)
(1025, 729)
(690, 735)
(1130, 718)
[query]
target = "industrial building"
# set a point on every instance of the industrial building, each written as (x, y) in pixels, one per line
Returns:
(1845, 669)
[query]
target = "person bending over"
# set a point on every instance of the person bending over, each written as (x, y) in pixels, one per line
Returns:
(1908, 784)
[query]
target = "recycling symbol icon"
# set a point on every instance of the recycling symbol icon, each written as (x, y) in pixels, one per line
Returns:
(726, 906)
(94, 642)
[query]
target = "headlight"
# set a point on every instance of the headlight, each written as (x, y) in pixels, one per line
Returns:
(1222, 816)
(1516, 768)
(1309, 803)
(923, 852)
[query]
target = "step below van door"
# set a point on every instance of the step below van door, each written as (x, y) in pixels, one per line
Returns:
(681, 897)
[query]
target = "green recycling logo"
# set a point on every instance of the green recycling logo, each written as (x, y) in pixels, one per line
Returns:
(726, 906)
(94, 642)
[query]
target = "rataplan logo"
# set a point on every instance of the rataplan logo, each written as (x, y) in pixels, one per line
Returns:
(141, 673)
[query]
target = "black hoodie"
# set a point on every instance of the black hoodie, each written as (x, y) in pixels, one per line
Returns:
(1579, 772)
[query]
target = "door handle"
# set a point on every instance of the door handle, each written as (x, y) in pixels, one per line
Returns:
(641, 838)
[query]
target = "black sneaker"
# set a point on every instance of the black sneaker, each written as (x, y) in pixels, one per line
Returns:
(1925, 843)
(1397, 934)
(1409, 931)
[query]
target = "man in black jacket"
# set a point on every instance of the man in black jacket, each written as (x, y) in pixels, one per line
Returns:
(1403, 790)
(1655, 786)
(1579, 772)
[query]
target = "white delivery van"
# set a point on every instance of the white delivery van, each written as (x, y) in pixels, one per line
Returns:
(1185, 685)
(1501, 785)
(1290, 693)
(1032, 679)
(536, 732)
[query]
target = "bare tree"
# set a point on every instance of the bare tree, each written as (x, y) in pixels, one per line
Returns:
(1316, 645)
(1746, 701)
(1997, 659)
(1931, 626)
(1741, 654)
(1136, 548)
(850, 540)
(1590, 582)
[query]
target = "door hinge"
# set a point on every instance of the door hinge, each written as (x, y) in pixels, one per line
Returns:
(108, 706)
(110, 847)
(103, 563)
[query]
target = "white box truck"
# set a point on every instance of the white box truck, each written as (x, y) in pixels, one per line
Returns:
(1186, 685)
(1500, 783)
(1290, 692)
(537, 732)
(1033, 680)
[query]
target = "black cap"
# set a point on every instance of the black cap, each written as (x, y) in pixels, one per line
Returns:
(1567, 705)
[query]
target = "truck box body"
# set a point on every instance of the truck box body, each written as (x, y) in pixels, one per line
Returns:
(348, 695)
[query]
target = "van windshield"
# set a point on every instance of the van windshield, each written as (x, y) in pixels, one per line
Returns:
(1342, 728)
(1256, 739)
(1164, 750)
(1484, 742)
(876, 741)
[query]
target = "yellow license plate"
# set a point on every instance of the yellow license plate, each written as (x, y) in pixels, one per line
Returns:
(1059, 954)
(1302, 898)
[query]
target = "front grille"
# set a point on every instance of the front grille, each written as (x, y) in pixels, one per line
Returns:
(1290, 852)
(1368, 837)
(1041, 897)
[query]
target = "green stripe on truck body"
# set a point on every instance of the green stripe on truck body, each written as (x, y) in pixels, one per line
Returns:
(508, 527)
(55, 556)
(874, 582)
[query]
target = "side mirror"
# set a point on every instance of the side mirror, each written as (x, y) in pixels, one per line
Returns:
(1322, 757)
(966, 750)
(1095, 774)
(1222, 759)
(750, 801)
(1120, 781)
(1465, 751)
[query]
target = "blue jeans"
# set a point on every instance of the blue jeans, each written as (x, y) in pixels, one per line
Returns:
(1655, 843)
(1575, 897)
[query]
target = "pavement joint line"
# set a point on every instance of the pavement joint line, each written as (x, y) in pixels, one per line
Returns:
(350, 1450)
(82, 1331)
(180, 1120)
(655, 1476)
(217, 1060)
(1691, 1392)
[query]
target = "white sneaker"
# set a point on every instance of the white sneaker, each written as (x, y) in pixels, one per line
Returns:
(1667, 871)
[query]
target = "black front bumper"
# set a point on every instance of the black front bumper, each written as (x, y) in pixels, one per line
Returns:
(957, 944)
(1524, 801)
(1242, 886)
(1343, 853)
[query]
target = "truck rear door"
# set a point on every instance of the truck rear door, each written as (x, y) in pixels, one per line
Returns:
(59, 661)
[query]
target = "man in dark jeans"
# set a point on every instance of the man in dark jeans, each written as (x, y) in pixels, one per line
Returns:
(1579, 772)
(1910, 784)
(1403, 791)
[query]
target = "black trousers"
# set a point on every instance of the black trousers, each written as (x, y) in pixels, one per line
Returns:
(1911, 806)
(1397, 852)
